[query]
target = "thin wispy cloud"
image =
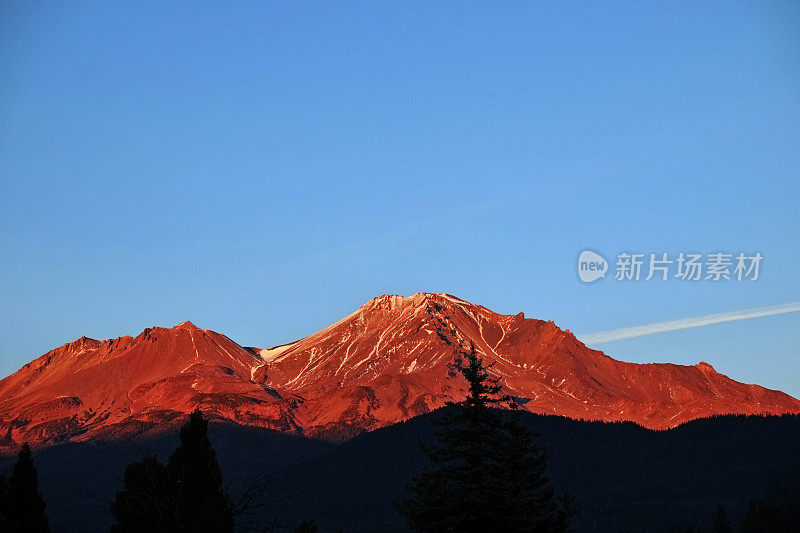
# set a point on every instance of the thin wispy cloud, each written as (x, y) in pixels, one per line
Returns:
(612, 335)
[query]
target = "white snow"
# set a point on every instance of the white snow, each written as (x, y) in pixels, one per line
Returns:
(270, 354)
(454, 299)
(253, 370)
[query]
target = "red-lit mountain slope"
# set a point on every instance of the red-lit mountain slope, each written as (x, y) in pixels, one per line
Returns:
(113, 388)
(390, 360)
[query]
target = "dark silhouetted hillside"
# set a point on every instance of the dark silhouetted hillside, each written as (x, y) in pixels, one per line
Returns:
(624, 476)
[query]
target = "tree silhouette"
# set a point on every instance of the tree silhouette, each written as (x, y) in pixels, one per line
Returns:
(778, 512)
(487, 474)
(201, 503)
(22, 505)
(721, 524)
(184, 495)
(147, 502)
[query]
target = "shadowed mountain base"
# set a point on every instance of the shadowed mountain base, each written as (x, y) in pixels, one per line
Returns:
(624, 476)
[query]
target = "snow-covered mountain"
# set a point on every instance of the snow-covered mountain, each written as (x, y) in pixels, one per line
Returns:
(390, 360)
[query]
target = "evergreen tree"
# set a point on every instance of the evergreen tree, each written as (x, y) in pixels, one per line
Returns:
(147, 503)
(531, 502)
(721, 524)
(779, 512)
(23, 502)
(185, 495)
(487, 475)
(201, 503)
(759, 517)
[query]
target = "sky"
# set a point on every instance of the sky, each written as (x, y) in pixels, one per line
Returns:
(263, 169)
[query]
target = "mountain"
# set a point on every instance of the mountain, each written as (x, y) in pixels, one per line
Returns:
(392, 359)
(114, 388)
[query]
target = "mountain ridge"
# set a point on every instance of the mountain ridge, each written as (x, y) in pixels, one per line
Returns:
(393, 358)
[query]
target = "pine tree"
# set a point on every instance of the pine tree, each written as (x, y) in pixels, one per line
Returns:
(721, 523)
(487, 475)
(25, 507)
(201, 504)
(185, 495)
(530, 502)
(147, 503)
(779, 512)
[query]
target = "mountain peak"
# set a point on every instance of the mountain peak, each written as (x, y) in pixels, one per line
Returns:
(394, 301)
(186, 325)
(705, 367)
(390, 360)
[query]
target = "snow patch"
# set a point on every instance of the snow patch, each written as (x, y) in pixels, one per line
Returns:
(270, 354)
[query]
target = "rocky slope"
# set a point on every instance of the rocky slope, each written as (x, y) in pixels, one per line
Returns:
(390, 360)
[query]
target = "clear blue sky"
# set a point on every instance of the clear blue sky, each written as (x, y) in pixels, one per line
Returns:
(265, 168)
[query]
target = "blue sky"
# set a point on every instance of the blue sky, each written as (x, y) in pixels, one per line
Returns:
(264, 169)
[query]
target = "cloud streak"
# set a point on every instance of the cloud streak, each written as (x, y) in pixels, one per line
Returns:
(686, 323)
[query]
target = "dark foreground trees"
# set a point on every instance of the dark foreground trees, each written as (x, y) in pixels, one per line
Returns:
(197, 478)
(487, 473)
(186, 494)
(22, 508)
(778, 512)
(721, 524)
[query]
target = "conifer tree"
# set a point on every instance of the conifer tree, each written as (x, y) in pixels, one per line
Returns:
(779, 512)
(24, 505)
(185, 495)
(193, 468)
(147, 503)
(486, 473)
(721, 524)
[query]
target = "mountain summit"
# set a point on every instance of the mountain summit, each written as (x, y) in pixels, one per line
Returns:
(392, 359)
